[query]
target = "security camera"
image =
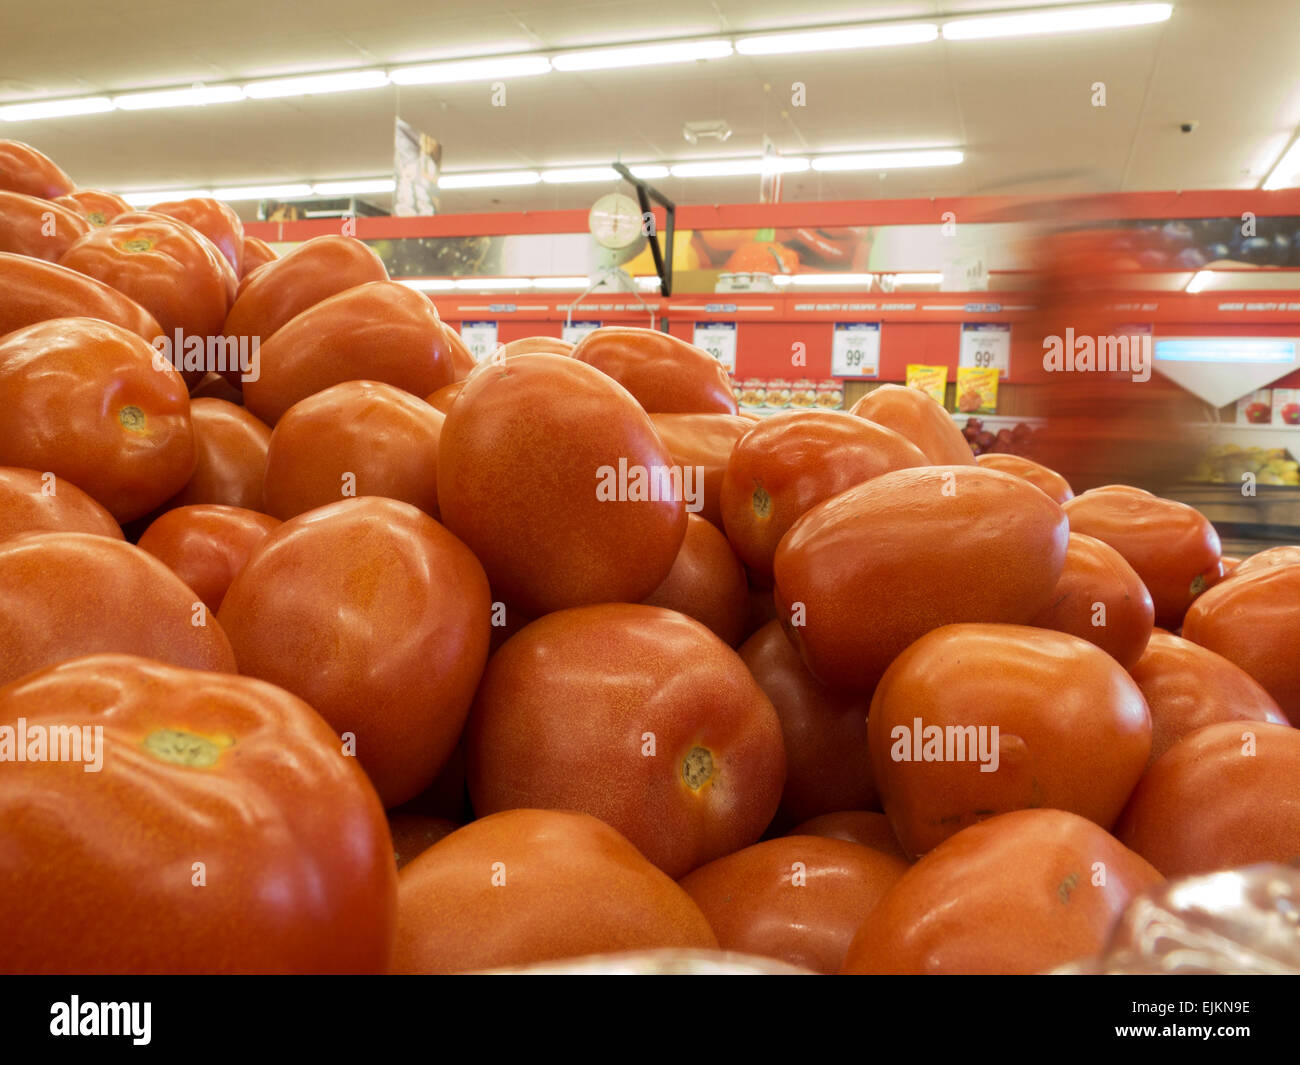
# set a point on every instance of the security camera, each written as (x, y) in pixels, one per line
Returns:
(1188, 127)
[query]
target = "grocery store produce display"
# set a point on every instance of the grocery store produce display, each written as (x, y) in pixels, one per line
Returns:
(419, 665)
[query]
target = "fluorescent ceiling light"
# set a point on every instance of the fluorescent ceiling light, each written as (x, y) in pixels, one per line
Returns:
(641, 55)
(649, 172)
(841, 37)
(353, 188)
(148, 199)
(734, 167)
(264, 192)
(648, 281)
(427, 284)
(192, 97)
(886, 160)
(1058, 20)
(311, 84)
(507, 66)
(812, 280)
(486, 283)
(561, 282)
(1285, 173)
(1201, 279)
(488, 179)
(575, 174)
(935, 278)
(82, 105)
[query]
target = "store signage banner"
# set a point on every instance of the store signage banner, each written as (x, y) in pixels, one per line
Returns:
(855, 349)
(416, 160)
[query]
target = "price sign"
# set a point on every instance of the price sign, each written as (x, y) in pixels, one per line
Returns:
(985, 345)
(480, 338)
(575, 331)
(855, 349)
(719, 340)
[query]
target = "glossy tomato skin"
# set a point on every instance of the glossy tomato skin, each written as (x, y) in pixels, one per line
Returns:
(444, 397)
(223, 807)
(36, 291)
(96, 206)
(231, 448)
(1223, 796)
(919, 419)
(359, 438)
(67, 594)
(253, 253)
(40, 228)
(707, 582)
(1172, 547)
(1186, 687)
(948, 544)
(84, 400)
(1051, 482)
(551, 503)
(404, 609)
(798, 899)
(32, 501)
(1251, 621)
(206, 545)
(24, 169)
(381, 331)
(828, 767)
(664, 373)
(1286, 555)
(534, 885)
(704, 442)
(636, 715)
(1101, 599)
(525, 345)
(867, 828)
(788, 463)
(215, 220)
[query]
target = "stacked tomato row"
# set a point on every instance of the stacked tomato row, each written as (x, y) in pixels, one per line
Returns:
(606, 664)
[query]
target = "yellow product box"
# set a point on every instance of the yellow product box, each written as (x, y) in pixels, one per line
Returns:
(977, 389)
(932, 380)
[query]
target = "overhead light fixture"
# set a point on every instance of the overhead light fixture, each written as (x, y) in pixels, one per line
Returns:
(641, 55)
(427, 284)
(887, 160)
(487, 283)
(490, 69)
(197, 96)
(82, 105)
(488, 179)
(1201, 279)
(1055, 20)
(576, 174)
(716, 129)
(824, 280)
(773, 164)
(1286, 171)
(264, 192)
(923, 278)
(353, 188)
(315, 84)
(649, 172)
(561, 282)
(148, 199)
(837, 39)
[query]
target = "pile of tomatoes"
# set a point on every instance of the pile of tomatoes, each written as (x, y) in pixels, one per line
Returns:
(605, 665)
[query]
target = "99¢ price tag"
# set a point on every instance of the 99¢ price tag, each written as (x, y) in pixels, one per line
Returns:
(986, 345)
(855, 349)
(480, 338)
(575, 331)
(719, 340)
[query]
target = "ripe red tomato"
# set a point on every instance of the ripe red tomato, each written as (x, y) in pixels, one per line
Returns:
(378, 617)
(1020, 893)
(1051, 482)
(359, 438)
(637, 715)
(707, 582)
(380, 331)
(572, 504)
(444, 397)
(415, 833)
(828, 767)
(96, 206)
(664, 373)
(31, 501)
(525, 345)
(231, 447)
(1186, 687)
(35, 291)
(867, 828)
(1286, 555)
(1100, 598)
(1224, 796)
(977, 720)
(1172, 547)
(24, 169)
(947, 544)
(206, 545)
(918, 418)
(84, 400)
(798, 899)
(221, 807)
(40, 228)
(65, 594)
(535, 885)
(790, 462)
(1251, 621)
(215, 220)
(703, 442)
(254, 253)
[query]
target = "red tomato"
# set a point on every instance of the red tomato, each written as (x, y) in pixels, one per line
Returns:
(1286, 555)
(360, 438)
(380, 331)
(637, 715)
(828, 767)
(572, 504)
(206, 545)
(31, 501)
(703, 442)
(444, 397)
(1251, 621)
(69, 594)
(24, 169)
(1051, 482)
(222, 807)
(1021, 893)
(1186, 686)
(1172, 546)
(84, 400)
(790, 462)
(1224, 796)
(231, 447)
(867, 828)
(40, 228)
(947, 544)
(525, 345)
(215, 220)
(918, 418)
(254, 253)
(413, 834)
(707, 582)
(534, 885)
(977, 720)
(377, 616)
(1099, 598)
(798, 899)
(1230, 565)
(96, 206)
(35, 291)
(665, 374)
(461, 360)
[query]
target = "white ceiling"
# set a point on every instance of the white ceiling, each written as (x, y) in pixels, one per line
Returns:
(1020, 108)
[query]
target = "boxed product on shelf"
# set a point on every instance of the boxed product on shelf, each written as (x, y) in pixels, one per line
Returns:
(977, 389)
(932, 380)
